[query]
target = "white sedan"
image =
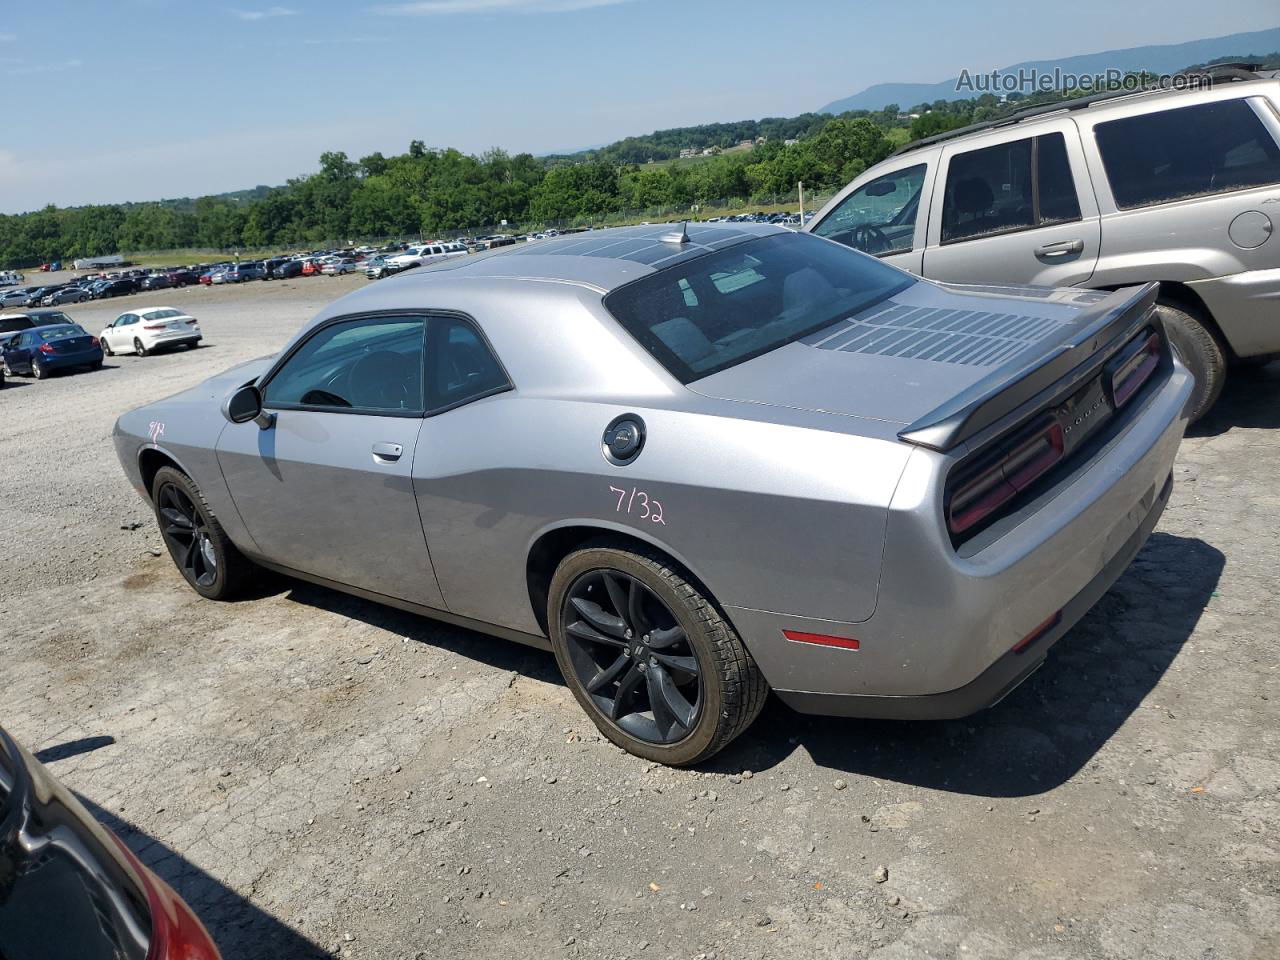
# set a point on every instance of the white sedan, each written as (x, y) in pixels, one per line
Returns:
(145, 331)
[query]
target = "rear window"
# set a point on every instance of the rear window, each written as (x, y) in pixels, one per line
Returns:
(1188, 152)
(162, 314)
(721, 309)
(59, 333)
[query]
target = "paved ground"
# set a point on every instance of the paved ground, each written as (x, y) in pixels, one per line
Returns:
(319, 775)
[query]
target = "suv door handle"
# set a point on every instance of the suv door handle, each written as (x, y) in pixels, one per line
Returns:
(387, 452)
(1062, 248)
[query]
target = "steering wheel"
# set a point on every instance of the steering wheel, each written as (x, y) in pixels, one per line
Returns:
(380, 379)
(869, 238)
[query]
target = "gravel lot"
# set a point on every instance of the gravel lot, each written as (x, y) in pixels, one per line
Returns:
(320, 776)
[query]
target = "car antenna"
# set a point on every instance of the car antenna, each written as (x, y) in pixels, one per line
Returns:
(681, 237)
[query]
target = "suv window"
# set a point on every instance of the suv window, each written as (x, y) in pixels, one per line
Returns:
(15, 323)
(1009, 187)
(879, 217)
(372, 365)
(1187, 152)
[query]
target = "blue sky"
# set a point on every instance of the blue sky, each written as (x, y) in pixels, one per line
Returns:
(113, 100)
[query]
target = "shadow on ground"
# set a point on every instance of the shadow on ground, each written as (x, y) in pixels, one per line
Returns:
(239, 928)
(1250, 398)
(1034, 740)
(1048, 728)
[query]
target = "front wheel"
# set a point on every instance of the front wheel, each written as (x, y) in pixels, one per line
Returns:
(649, 657)
(106, 347)
(138, 348)
(200, 549)
(1200, 352)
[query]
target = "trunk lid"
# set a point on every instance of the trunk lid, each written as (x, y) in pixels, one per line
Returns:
(930, 352)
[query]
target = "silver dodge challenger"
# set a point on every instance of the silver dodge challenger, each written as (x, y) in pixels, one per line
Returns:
(698, 463)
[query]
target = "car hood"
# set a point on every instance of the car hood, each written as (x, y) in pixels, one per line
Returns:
(906, 356)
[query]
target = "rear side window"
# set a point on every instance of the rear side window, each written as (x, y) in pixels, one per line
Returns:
(460, 365)
(1188, 152)
(1009, 187)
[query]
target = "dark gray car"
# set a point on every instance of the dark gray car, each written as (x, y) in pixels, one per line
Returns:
(695, 465)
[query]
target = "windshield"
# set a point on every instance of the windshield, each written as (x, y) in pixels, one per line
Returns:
(59, 333)
(721, 309)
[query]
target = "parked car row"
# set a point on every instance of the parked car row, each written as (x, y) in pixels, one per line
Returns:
(38, 343)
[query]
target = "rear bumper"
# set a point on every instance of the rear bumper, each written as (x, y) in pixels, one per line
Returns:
(1002, 677)
(938, 643)
(183, 340)
(60, 361)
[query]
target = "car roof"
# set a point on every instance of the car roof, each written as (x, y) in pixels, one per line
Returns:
(601, 259)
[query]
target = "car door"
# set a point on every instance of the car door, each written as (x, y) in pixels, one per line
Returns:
(1016, 209)
(882, 216)
(118, 336)
(326, 489)
(18, 354)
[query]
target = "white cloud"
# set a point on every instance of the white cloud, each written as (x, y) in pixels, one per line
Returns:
(264, 14)
(453, 7)
(57, 67)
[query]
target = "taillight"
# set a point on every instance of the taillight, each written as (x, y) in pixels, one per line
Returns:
(94, 341)
(154, 326)
(176, 932)
(1134, 367)
(1001, 477)
(46, 348)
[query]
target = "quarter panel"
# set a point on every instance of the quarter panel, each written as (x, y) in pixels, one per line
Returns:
(766, 515)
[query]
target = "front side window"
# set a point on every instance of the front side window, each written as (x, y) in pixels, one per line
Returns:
(879, 217)
(373, 364)
(1188, 152)
(1009, 187)
(721, 309)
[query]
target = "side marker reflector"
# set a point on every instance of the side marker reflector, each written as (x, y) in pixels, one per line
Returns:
(821, 639)
(1038, 632)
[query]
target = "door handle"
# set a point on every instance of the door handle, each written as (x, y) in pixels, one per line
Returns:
(387, 452)
(1062, 248)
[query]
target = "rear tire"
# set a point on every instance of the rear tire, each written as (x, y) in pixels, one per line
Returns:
(730, 688)
(39, 371)
(231, 571)
(1202, 354)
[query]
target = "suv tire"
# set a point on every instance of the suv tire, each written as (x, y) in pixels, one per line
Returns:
(1198, 348)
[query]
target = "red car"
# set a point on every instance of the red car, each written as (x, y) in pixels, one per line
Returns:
(311, 268)
(70, 887)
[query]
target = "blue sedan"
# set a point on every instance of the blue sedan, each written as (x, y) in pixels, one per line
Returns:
(40, 351)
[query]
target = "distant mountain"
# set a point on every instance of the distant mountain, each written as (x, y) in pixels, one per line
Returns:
(1162, 58)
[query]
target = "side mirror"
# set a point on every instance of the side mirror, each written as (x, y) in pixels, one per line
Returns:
(245, 404)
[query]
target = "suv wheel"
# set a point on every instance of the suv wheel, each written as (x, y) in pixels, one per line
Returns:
(1200, 352)
(649, 657)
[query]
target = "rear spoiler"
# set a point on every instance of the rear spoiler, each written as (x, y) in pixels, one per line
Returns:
(1009, 387)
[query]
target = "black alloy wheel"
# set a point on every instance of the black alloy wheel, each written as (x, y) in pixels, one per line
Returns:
(632, 656)
(187, 535)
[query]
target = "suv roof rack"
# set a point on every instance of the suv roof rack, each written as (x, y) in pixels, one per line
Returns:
(1214, 74)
